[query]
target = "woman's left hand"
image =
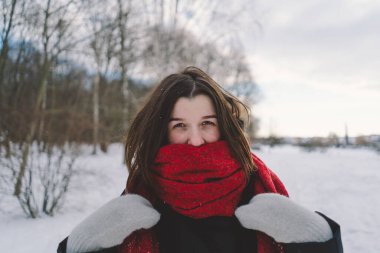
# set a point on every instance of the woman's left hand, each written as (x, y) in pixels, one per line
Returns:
(283, 220)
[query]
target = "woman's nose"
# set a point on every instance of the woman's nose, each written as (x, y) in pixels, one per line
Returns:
(195, 139)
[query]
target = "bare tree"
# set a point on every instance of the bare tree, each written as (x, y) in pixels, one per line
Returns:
(11, 12)
(102, 45)
(8, 14)
(54, 39)
(126, 50)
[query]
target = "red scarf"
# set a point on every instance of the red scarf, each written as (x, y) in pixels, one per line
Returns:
(200, 182)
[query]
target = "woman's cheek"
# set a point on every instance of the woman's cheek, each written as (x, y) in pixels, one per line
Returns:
(213, 135)
(176, 137)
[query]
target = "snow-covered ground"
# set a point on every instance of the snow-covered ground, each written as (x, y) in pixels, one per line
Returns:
(340, 183)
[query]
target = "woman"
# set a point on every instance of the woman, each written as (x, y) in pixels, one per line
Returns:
(195, 186)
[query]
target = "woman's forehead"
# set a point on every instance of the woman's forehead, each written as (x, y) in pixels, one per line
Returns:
(200, 105)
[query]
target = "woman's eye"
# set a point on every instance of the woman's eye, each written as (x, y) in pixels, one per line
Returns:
(208, 123)
(179, 125)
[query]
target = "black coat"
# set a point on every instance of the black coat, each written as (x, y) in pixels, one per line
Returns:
(333, 245)
(219, 234)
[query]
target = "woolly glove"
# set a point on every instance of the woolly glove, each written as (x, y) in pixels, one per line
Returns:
(112, 223)
(283, 220)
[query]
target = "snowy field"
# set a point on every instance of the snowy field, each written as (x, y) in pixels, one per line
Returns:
(339, 183)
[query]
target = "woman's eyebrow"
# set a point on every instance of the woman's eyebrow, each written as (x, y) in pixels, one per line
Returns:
(204, 117)
(175, 119)
(209, 117)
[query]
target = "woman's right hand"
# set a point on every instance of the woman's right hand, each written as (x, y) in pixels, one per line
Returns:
(112, 223)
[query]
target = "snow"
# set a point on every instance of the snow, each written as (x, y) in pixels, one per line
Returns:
(341, 183)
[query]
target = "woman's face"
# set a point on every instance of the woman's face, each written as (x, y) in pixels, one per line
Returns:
(193, 121)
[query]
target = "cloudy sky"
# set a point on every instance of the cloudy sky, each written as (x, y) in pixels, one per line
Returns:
(317, 64)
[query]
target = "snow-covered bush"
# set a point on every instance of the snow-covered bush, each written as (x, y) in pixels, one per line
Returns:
(46, 178)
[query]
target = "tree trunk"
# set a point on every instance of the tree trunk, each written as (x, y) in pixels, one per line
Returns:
(45, 68)
(95, 97)
(33, 128)
(124, 84)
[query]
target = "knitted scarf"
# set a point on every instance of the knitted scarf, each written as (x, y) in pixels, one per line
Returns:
(201, 182)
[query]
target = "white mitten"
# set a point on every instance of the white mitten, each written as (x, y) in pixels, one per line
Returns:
(283, 220)
(112, 223)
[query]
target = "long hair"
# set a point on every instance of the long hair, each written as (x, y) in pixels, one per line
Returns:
(148, 131)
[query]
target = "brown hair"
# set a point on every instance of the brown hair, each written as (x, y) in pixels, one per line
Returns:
(148, 131)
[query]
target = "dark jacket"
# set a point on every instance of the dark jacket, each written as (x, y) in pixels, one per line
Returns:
(247, 240)
(219, 234)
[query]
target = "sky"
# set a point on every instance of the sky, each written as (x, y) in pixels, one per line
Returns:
(317, 65)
